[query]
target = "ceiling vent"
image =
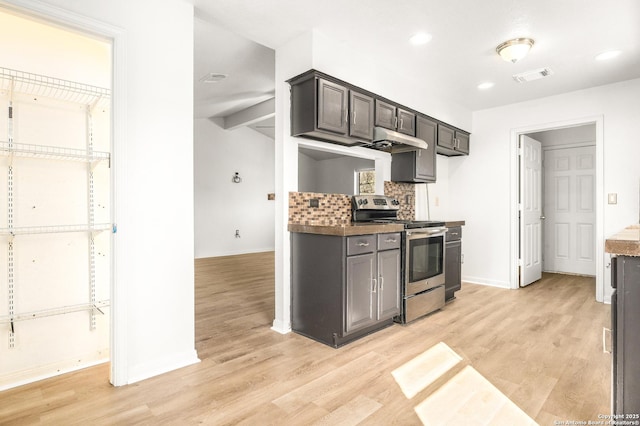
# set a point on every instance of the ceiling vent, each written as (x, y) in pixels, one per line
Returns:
(532, 75)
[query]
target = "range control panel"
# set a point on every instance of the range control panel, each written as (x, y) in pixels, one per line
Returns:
(374, 202)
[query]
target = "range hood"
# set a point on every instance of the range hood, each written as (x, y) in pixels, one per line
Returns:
(394, 142)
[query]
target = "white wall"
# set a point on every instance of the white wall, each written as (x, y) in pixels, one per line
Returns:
(578, 135)
(432, 199)
(480, 184)
(153, 296)
(332, 175)
(221, 206)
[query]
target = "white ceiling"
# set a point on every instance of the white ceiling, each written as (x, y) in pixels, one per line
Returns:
(568, 35)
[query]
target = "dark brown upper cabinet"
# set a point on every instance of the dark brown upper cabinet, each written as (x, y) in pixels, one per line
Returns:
(326, 110)
(392, 117)
(418, 166)
(331, 110)
(333, 101)
(385, 115)
(360, 115)
(451, 141)
(406, 122)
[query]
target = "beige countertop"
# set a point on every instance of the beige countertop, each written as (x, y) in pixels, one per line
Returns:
(452, 223)
(625, 242)
(356, 229)
(346, 230)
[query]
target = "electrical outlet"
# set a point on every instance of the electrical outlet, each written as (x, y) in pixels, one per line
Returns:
(314, 202)
(612, 198)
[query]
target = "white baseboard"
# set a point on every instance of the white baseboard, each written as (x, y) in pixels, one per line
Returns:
(281, 327)
(162, 365)
(41, 372)
(233, 252)
(484, 281)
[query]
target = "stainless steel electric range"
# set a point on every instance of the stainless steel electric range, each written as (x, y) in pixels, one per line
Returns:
(422, 255)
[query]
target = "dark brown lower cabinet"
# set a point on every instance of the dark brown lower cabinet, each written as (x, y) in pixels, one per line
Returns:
(344, 288)
(453, 262)
(625, 320)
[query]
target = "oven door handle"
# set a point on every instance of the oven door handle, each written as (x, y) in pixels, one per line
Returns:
(431, 232)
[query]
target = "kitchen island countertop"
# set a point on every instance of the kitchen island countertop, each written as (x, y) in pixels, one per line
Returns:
(625, 242)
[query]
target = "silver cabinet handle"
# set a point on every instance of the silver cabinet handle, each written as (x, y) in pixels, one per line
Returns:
(542, 217)
(390, 240)
(346, 115)
(363, 244)
(604, 340)
(375, 285)
(354, 116)
(401, 122)
(395, 122)
(381, 283)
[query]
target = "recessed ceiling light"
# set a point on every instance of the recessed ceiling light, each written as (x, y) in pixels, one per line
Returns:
(213, 77)
(420, 39)
(486, 85)
(604, 56)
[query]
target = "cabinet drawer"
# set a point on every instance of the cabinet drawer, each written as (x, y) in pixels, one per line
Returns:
(454, 233)
(361, 244)
(388, 241)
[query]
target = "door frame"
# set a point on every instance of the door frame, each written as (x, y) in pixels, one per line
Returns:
(514, 262)
(57, 16)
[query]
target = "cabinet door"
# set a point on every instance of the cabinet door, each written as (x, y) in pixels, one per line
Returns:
(462, 142)
(388, 284)
(332, 107)
(446, 136)
(361, 113)
(385, 115)
(426, 158)
(453, 268)
(406, 122)
(361, 292)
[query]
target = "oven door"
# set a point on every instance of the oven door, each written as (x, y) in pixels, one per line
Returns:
(424, 267)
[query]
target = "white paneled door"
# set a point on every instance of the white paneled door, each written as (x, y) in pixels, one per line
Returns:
(530, 210)
(569, 231)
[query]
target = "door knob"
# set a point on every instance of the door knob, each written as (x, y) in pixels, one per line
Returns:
(542, 217)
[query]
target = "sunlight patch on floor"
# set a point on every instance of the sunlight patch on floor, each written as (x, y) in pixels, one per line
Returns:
(426, 368)
(466, 398)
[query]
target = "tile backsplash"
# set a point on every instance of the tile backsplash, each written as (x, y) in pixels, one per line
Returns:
(332, 209)
(406, 194)
(335, 209)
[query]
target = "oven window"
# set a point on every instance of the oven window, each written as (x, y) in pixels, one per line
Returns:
(425, 258)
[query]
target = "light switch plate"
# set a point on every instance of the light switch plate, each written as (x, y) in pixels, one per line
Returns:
(612, 198)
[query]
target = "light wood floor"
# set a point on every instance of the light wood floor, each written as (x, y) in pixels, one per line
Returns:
(541, 346)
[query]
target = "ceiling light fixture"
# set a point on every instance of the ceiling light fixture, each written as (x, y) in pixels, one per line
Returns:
(420, 39)
(605, 56)
(486, 85)
(515, 49)
(213, 77)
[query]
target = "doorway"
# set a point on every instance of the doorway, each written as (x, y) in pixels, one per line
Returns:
(571, 241)
(56, 248)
